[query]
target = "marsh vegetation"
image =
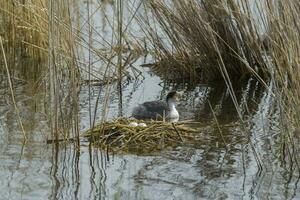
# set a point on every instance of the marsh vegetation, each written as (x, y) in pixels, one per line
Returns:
(68, 66)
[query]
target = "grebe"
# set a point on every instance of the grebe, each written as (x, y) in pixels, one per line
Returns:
(159, 109)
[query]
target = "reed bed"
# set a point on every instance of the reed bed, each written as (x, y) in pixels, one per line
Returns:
(228, 40)
(24, 28)
(120, 135)
(53, 36)
(198, 38)
(195, 40)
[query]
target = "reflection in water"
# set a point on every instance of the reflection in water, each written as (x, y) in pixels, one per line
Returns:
(206, 169)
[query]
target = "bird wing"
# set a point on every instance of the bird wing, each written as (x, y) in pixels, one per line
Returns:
(156, 106)
(150, 110)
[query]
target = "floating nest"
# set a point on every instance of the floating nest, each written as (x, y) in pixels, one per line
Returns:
(136, 136)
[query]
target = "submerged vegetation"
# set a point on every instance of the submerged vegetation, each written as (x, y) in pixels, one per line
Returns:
(197, 40)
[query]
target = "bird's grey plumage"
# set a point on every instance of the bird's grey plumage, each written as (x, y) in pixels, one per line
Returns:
(159, 109)
(150, 110)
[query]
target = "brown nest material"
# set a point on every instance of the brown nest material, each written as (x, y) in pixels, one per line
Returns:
(120, 135)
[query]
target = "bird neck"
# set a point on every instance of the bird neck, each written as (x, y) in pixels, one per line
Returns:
(171, 104)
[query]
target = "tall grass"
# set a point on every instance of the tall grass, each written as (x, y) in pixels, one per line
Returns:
(198, 36)
(54, 35)
(24, 29)
(201, 40)
(41, 31)
(208, 40)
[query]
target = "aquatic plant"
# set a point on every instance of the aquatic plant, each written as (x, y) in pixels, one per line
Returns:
(41, 32)
(227, 40)
(64, 54)
(200, 38)
(203, 40)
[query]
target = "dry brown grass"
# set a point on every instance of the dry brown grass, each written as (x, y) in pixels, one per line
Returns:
(54, 36)
(24, 27)
(199, 37)
(120, 136)
(228, 40)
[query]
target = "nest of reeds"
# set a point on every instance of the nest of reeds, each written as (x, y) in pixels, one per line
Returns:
(122, 135)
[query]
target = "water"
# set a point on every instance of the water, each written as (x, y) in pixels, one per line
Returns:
(202, 170)
(205, 169)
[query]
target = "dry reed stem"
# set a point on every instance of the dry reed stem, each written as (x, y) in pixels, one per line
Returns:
(11, 90)
(119, 135)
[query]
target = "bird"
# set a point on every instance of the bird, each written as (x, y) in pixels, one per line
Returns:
(158, 110)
